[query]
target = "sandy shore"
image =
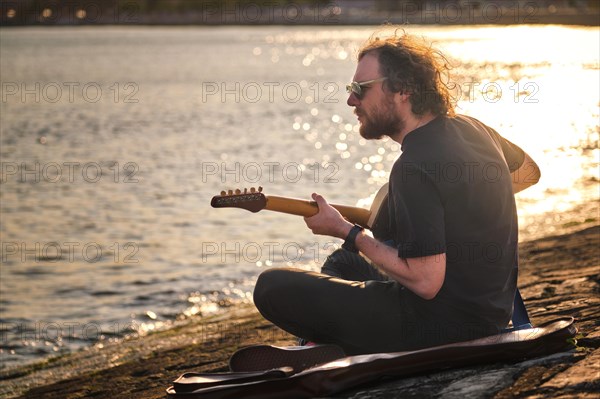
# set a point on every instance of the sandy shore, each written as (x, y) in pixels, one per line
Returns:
(559, 276)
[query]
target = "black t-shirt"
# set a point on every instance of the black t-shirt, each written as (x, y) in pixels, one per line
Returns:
(451, 192)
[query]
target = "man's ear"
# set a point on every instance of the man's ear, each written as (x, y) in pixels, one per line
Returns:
(402, 97)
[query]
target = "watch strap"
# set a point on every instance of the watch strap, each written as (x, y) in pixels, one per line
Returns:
(350, 242)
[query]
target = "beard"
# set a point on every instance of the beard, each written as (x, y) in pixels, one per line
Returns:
(384, 121)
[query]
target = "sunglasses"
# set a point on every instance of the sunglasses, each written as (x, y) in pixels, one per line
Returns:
(359, 88)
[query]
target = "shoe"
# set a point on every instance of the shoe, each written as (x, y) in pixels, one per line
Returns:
(266, 357)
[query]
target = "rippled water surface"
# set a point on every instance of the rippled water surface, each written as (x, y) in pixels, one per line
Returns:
(113, 141)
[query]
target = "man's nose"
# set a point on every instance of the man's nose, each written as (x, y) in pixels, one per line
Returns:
(353, 101)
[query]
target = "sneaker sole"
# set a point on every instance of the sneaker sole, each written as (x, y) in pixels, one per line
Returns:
(267, 357)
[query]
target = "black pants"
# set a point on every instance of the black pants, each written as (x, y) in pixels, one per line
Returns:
(350, 303)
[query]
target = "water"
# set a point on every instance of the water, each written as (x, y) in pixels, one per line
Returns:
(114, 140)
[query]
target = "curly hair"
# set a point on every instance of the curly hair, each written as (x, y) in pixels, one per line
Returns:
(414, 67)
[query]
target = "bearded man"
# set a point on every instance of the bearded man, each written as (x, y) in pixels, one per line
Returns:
(443, 268)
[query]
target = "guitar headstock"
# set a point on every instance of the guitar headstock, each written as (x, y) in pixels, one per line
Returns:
(252, 200)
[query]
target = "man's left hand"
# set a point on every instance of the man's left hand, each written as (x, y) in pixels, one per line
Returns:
(328, 221)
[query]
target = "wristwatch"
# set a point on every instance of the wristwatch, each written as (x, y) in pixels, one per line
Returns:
(350, 242)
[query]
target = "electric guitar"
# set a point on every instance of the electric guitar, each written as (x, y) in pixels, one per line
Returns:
(254, 200)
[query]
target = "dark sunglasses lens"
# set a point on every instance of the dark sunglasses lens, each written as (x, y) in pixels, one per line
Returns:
(356, 89)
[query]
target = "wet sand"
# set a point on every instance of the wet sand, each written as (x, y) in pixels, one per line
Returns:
(559, 276)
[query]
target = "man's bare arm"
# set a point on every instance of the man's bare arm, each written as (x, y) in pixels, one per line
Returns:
(423, 275)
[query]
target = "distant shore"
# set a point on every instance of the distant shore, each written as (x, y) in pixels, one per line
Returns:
(558, 277)
(248, 13)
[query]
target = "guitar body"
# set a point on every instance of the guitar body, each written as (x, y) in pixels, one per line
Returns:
(380, 222)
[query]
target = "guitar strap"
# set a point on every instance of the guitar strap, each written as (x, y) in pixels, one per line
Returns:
(520, 318)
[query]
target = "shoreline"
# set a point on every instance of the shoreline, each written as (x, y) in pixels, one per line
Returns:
(558, 277)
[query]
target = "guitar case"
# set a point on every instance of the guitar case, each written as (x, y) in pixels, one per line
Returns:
(351, 371)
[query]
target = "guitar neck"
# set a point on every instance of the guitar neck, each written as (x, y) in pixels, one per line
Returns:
(306, 208)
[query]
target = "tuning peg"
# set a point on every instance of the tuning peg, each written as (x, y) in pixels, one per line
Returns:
(223, 193)
(245, 191)
(230, 192)
(259, 189)
(252, 190)
(237, 191)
